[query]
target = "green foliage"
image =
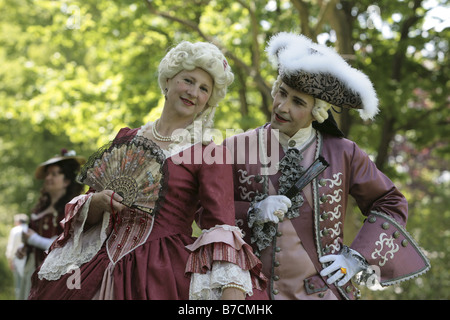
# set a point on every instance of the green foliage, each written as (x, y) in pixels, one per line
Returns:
(74, 72)
(6, 280)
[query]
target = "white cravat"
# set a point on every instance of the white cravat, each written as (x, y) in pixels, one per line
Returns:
(298, 140)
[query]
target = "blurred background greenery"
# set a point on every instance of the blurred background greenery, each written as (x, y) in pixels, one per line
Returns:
(74, 72)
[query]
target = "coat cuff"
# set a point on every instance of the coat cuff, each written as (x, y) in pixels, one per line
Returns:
(389, 249)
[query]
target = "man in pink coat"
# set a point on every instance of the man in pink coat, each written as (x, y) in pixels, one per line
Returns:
(294, 217)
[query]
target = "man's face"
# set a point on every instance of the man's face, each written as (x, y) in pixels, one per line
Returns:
(291, 110)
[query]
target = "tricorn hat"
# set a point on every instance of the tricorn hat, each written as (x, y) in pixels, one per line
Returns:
(321, 72)
(65, 155)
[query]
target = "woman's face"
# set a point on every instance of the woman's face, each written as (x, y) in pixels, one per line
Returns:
(188, 92)
(291, 110)
(55, 180)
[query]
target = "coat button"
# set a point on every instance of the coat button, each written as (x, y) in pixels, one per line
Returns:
(276, 264)
(277, 249)
(291, 143)
(372, 219)
(276, 278)
(324, 216)
(404, 243)
(396, 234)
(323, 198)
(275, 291)
(385, 226)
(258, 178)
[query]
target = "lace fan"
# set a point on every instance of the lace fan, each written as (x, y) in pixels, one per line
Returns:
(131, 167)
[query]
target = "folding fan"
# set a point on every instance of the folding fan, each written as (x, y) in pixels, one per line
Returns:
(316, 168)
(132, 167)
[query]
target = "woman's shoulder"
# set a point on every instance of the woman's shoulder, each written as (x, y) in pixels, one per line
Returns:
(126, 131)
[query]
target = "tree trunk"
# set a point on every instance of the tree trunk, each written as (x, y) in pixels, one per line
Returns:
(387, 135)
(341, 21)
(389, 128)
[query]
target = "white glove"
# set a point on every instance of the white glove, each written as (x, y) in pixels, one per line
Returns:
(272, 209)
(340, 263)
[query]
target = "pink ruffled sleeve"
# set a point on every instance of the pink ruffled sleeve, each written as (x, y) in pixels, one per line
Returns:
(71, 210)
(220, 242)
(225, 244)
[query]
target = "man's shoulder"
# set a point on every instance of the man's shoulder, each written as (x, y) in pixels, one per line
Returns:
(331, 144)
(337, 141)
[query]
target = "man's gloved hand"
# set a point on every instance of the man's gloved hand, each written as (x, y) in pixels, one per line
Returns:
(344, 267)
(272, 209)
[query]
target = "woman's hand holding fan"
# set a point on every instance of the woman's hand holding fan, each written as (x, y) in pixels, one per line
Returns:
(106, 200)
(126, 172)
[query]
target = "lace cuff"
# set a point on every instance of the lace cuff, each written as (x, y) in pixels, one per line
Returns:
(209, 285)
(225, 244)
(366, 275)
(262, 233)
(80, 248)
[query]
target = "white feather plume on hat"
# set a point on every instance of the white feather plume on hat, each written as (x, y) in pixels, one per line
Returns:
(298, 57)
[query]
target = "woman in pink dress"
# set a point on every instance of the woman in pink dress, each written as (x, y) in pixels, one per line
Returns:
(111, 251)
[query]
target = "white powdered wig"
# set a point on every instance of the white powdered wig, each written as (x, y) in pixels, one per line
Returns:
(292, 53)
(204, 55)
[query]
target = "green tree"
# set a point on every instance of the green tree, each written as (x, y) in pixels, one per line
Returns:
(74, 72)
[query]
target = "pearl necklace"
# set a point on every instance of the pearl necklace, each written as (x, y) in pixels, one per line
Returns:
(160, 137)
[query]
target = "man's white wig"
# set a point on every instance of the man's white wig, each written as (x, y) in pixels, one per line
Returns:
(188, 56)
(321, 72)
